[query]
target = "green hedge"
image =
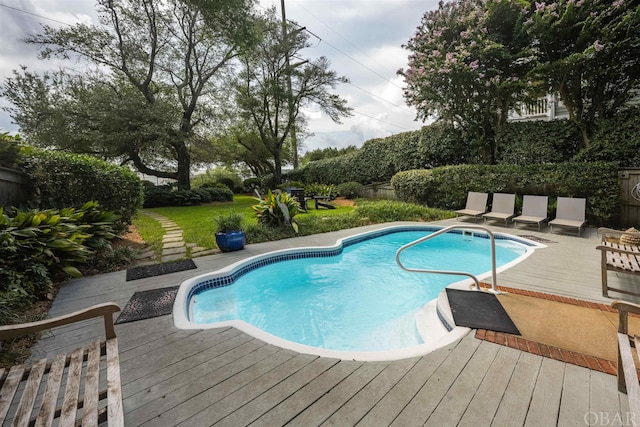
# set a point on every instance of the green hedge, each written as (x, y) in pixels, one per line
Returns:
(447, 187)
(71, 180)
(379, 159)
(520, 143)
(616, 140)
(167, 195)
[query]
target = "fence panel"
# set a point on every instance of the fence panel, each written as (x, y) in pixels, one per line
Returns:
(380, 191)
(14, 187)
(630, 197)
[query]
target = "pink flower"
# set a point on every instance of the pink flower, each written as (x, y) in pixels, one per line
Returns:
(598, 46)
(474, 65)
(618, 3)
(539, 7)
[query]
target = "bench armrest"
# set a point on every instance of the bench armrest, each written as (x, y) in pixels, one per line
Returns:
(624, 308)
(105, 310)
(606, 248)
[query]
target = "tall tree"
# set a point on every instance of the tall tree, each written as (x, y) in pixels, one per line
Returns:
(467, 66)
(262, 91)
(169, 55)
(589, 53)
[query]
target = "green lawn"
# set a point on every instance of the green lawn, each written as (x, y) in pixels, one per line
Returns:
(197, 222)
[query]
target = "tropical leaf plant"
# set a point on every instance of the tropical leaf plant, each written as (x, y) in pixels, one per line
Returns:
(277, 209)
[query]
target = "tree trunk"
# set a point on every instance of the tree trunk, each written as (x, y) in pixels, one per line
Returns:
(184, 166)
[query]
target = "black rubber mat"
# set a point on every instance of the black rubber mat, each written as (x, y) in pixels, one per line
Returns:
(160, 269)
(480, 310)
(147, 304)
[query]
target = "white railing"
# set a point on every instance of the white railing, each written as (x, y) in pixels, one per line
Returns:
(494, 287)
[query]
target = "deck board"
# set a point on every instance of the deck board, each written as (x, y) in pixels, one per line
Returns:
(226, 377)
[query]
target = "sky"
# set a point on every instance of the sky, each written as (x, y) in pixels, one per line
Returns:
(361, 38)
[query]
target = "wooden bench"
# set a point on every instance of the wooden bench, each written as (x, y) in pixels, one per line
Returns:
(619, 257)
(24, 392)
(627, 371)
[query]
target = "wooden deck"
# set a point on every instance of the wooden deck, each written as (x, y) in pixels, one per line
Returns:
(226, 377)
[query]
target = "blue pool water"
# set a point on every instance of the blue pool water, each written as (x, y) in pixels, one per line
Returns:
(358, 300)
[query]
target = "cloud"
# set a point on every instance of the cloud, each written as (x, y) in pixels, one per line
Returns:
(362, 39)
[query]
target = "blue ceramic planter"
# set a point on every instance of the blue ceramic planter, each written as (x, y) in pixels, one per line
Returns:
(230, 241)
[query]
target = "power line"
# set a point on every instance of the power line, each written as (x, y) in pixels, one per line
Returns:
(381, 98)
(382, 121)
(34, 14)
(334, 31)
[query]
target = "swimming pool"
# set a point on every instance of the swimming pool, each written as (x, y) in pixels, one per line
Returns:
(346, 300)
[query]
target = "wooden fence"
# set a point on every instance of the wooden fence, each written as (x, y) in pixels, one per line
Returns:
(380, 191)
(14, 187)
(630, 197)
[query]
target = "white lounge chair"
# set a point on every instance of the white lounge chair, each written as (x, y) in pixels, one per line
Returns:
(503, 207)
(570, 213)
(476, 205)
(534, 211)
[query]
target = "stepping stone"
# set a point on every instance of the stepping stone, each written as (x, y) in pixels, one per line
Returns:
(173, 257)
(172, 239)
(191, 245)
(149, 253)
(195, 249)
(173, 234)
(173, 251)
(179, 244)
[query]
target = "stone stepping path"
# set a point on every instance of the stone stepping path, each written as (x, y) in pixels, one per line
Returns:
(173, 245)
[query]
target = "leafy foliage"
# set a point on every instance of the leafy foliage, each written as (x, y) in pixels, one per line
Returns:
(71, 180)
(350, 190)
(394, 210)
(164, 64)
(272, 107)
(231, 221)
(9, 150)
(447, 187)
(616, 140)
(168, 195)
(554, 141)
(577, 44)
(277, 209)
(36, 244)
(379, 159)
(467, 66)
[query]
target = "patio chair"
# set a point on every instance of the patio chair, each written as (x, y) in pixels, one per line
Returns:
(534, 211)
(298, 194)
(476, 205)
(503, 207)
(35, 390)
(570, 213)
(322, 201)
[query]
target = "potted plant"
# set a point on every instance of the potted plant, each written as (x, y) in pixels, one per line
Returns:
(229, 233)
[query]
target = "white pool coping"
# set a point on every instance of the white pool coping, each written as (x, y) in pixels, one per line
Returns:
(434, 321)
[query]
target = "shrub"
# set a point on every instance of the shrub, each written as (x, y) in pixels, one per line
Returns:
(231, 221)
(447, 187)
(379, 159)
(317, 189)
(168, 195)
(250, 184)
(36, 244)
(350, 190)
(394, 210)
(552, 141)
(277, 209)
(71, 180)
(9, 150)
(229, 178)
(616, 140)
